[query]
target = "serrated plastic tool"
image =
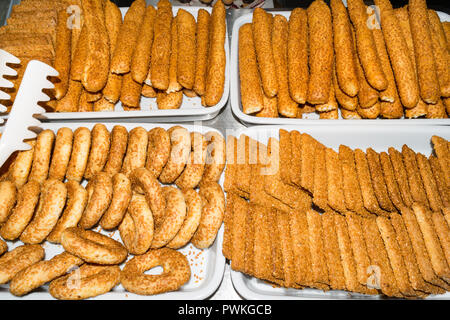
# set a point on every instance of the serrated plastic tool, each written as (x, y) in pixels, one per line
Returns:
(5, 59)
(25, 106)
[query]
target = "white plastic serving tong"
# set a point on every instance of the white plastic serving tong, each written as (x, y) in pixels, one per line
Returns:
(5, 58)
(25, 106)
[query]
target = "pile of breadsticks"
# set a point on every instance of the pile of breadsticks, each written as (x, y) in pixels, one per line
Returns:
(367, 62)
(302, 215)
(43, 198)
(150, 53)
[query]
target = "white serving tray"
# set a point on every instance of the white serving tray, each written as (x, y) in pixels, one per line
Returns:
(190, 110)
(380, 138)
(311, 118)
(207, 265)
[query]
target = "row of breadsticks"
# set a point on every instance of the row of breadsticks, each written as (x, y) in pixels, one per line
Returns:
(325, 58)
(298, 172)
(150, 53)
(404, 255)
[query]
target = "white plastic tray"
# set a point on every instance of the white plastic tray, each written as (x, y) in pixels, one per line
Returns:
(207, 265)
(379, 138)
(190, 110)
(312, 118)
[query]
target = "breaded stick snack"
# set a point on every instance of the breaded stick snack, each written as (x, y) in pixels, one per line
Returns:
(332, 252)
(202, 44)
(415, 181)
(365, 45)
(96, 65)
(441, 149)
(402, 65)
(371, 112)
(79, 55)
(249, 257)
(308, 147)
(159, 66)
(443, 231)
(401, 176)
(62, 54)
(321, 52)
(130, 94)
(440, 180)
(287, 253)
(286, 106)
(391, 183)
(395, 256)
(169, 100)
(441, 54)
(262, 246)
(345, 101)
(215, 72)
(432, 243)
(295, 173)
(319, 271)
(140, 60)
(263, 45)
(300, 244)
(127, 38)
(423, 49)
(270, 109)
(320, 192)
(69, 103)
(251, 90)
(429, 183)
(240, 208)
(297, 55)
(227, 245)
(285, 156)
(186, 28)
(174, 85)
(334, 180)
(347, 79)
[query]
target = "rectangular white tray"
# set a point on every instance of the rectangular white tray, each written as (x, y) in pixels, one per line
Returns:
(190, 110)
(207, 265)
(312, 118)
(380, 138)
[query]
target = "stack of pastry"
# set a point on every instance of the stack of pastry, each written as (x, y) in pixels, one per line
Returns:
(43, 198)
(329, 58)
(102, 60)
(302, 215)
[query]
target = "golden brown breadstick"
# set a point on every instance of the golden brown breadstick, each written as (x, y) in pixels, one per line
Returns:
(286, 106)
(130, 94)
(436, 111)
(69, 103)
(97, 61)
(103, 105)
(215, 73)
(348, 114)
(202, 44)
(80, 154)
(321, 52)
(285, 245)
(415, 181)
(308, 147)
(83, 104)
(334, 180)
(423, 50)
(390, 93)
(140, 60)
(344, 50)
(251, 90)
(148, 91)
(297, 55)
(401, 62)
(347, 102)
(441, 54)
(262, 245)
(441, 149)
(240, 208)
(300, 241)
(329, 109)
(61, 154)
(174, 85)
(41, 157)
(391, 183)
(171, 100)
(440, 180)
(320, 192)
(443, 231)
(371, 112)
(119, 141)
(263, 45)
(365, 45)
(79, 56)
(270, 109)
(186, 28)
(159, 65)
(294, 170)
(429, 182)
(401, 176)
(62, 54)
(127, 38)
(320, 271)
(112, 90)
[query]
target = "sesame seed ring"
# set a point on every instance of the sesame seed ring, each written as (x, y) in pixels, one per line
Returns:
(18, 259)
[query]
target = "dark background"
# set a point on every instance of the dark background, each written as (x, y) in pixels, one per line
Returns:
(441, 5)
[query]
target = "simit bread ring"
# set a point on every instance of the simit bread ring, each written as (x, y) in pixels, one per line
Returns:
(176, 272)
(119, 141)
(136, 228)
(61, 154)
(136, 150)
(180, 140)
(80, 154)
(194, 213)
(215, 159)
(22, 165)
(99, 150)
(3, 247)
(41, 156)
(158, 150)
(51, 204)
(27, 199)
(21, 257)
(85, 282)
(144, 179)
(173, 218)
(42, 272)
(212, 215)
(100, 192)
(7, 199)
(119, 203)
(193, 172)
(93, 247)
(77, 198)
